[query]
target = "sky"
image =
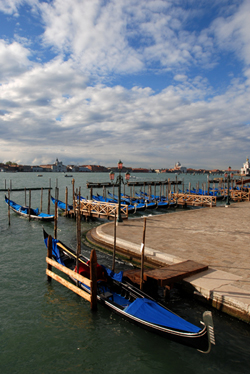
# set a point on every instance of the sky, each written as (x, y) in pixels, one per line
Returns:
(151, 82)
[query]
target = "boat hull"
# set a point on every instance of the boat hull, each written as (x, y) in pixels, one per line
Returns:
(193, 336)
(38, 217)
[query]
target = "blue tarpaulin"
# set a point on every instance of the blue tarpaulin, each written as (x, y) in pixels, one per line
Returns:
(152, 312)
(55, 250)
(111, 274)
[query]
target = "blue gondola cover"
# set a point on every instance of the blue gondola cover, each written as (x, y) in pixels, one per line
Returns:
(152, 312)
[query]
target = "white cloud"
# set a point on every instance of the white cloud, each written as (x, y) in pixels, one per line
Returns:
(180, 77)
(56, 109)
(13, 60)
(111, 122)
(125, 36)
(11, 6)
(92, 33)
(233, 32)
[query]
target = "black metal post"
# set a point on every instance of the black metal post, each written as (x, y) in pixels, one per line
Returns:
(119, 179)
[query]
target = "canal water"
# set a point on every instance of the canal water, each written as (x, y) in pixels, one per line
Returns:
(45, 328)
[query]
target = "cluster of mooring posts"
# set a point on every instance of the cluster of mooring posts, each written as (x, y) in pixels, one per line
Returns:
(160, 276)
(149, 279)
(27, 191)
(172, 194)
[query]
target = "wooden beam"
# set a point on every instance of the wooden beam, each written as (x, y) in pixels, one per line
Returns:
(69, 272)
(69, 285)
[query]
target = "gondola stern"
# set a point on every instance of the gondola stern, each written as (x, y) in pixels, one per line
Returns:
(208, 322)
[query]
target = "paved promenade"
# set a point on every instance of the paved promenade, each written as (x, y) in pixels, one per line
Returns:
(218, 237)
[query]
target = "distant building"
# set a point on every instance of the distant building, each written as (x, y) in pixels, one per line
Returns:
(72, 168)
(140, 170)
(83, 169)
(245, 170)
(36, 169)
(179, 168)
(56, 167)
(96, 168)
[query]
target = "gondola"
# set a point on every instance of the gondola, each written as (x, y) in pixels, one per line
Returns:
(139, 205)
(61, 205)
(161, 201)
(24, 211)
(131, 208)
(136, 306)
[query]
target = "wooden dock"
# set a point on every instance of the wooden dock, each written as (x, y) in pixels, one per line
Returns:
(96, 209)
(194, 200)
(218, 237)
(166, 276)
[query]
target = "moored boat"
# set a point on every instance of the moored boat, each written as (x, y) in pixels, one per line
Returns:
(136, 306)
(27, 212)
(61, 205)
(139, 205)
(131, 208)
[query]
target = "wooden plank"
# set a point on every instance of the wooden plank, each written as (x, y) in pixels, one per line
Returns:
(25, 188)
(69, 285)
(133, 274)
(175, 272)
(167, 275)
(243, 181)
(69, 272)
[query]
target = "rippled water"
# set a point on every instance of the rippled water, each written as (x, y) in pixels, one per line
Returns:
(45, 328)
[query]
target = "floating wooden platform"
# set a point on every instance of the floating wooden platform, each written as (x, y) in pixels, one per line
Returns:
(243, 181)
(25, 189)
(154, 183)
(133, 183)
(194, 200)
(166, 276)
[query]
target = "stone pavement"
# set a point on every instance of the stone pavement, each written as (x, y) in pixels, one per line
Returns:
(218, 237)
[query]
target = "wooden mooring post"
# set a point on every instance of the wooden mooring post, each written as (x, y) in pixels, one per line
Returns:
(66, 202)
(114, 249)
(56, 213)
(41, 201)
(49, 255)
(78, 234)
(9, 207)
(29, 203)
(49, 196)
(142, 253)
(73, 194)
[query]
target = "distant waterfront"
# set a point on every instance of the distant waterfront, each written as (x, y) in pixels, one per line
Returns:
(48, 329)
